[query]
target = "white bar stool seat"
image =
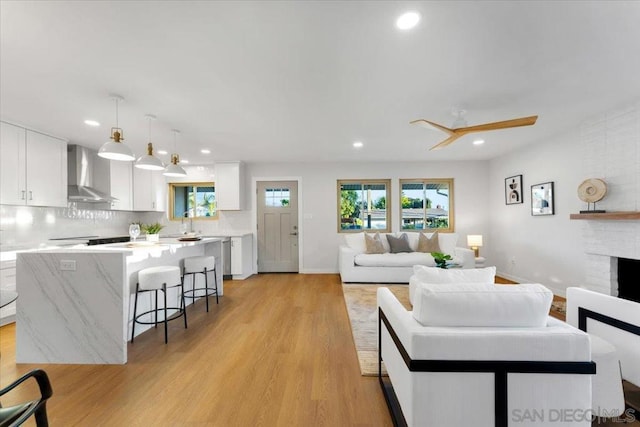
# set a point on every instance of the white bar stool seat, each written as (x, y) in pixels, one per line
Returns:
(156, 279)
(201, 265)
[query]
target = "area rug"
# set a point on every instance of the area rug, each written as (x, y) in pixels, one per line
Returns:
(363, 315)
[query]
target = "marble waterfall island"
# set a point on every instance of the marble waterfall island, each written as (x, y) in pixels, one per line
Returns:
(76, 305)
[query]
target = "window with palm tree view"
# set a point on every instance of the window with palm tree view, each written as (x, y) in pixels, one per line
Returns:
(193, 200)
(426, 204)
(363, 205)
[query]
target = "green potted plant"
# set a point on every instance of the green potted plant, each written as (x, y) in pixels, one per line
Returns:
(441, 259)
(152, 231)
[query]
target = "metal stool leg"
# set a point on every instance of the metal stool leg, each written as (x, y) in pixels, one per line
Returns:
(166, 332)
(184, 305)
(215, 281)
(206, 288)
(135, 309)
(155, 313)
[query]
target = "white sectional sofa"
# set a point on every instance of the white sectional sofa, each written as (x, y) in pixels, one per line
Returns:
(357, 266)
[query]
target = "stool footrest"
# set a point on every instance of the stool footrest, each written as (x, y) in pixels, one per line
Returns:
(173, 316)
(191, 293)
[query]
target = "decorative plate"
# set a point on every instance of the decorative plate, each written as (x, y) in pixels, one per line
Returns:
(592, 190)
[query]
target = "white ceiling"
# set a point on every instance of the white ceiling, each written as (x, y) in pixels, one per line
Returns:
(300, 81)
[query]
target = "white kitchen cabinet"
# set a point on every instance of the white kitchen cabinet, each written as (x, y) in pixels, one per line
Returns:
(149, 190)
(115, 178)
(8, 283)
(229, 186)
(33, 168)
(242, 256)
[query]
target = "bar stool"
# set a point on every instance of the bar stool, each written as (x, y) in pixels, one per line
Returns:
(156, 279)
(201, 265)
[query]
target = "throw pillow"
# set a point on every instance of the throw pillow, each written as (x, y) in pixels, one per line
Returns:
(428, 244)
(477, 305)
(399, 244)
(374, 244)
(424, 274)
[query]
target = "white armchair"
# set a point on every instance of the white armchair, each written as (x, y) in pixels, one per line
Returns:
(482, 373)
(614, 327)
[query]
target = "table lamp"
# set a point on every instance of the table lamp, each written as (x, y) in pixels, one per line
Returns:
(474, 241)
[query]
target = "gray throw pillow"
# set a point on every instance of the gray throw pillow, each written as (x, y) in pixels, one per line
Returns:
(399, 244)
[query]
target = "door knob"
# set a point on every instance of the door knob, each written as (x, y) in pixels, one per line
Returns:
(293, 234)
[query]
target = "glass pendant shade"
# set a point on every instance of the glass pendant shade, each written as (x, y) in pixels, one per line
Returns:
(173, 169)
(149, 161)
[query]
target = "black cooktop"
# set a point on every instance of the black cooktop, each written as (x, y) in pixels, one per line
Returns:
(105, 240)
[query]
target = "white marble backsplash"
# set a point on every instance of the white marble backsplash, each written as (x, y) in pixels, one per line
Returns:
(23, 227)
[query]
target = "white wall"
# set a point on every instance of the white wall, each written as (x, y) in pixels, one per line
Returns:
(320, 239)
(551, 249)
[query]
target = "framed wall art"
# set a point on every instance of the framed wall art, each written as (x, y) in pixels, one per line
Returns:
(542, 199)
(513, 190)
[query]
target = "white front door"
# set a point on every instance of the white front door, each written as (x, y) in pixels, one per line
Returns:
(277, 226)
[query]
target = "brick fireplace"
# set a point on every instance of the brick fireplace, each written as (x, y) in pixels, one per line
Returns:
(612, 152)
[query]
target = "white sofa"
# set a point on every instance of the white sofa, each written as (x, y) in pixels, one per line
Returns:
(357, 266)
(483, 374)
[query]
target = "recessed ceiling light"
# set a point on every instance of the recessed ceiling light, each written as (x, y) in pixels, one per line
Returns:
(478, 142)
(185, 161)
(358, 144)
(163, 152)
(408, 20)
(205, 151)
(92, 123)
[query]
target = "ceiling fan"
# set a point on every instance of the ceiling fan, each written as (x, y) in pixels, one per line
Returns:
(460, 128)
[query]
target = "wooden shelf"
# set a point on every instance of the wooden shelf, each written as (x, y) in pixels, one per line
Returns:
(608, 216)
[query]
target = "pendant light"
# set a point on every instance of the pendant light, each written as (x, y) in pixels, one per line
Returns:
(149, 161)
(114, 149)
(173, 168)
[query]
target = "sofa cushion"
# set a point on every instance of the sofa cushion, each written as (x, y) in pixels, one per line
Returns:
(374, 244)
(399, 244)
(428, 244)
(454, 275)
(447, 242)
(356, 242)
(405, 259)
(478, 305)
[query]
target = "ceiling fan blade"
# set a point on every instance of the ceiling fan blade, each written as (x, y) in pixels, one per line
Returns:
(446, 142)
(514, 123)
(432, 125)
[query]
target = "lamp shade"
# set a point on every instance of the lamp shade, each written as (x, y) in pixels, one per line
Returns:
(149, 161)
(173, 168)
(474, 240)
(113, 150)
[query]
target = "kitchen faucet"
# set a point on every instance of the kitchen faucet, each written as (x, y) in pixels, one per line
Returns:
(186, 215)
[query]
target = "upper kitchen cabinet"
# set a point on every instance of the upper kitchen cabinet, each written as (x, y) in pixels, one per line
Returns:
(149, 190)
(33, 168)
(230, 186)
(115, 179)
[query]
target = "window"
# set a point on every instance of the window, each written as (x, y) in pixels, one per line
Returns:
(193, 199)
(363, 205)
(426, 204)
(276, 197)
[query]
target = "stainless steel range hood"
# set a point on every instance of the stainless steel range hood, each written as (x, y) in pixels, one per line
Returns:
(80, 168)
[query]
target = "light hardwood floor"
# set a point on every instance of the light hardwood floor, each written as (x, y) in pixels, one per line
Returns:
(277, 351)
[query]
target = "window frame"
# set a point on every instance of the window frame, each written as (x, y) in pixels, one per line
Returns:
(173, 185)
(449, 181)
(388, 204)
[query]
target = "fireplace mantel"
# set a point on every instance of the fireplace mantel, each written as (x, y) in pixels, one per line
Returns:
(608, 216)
